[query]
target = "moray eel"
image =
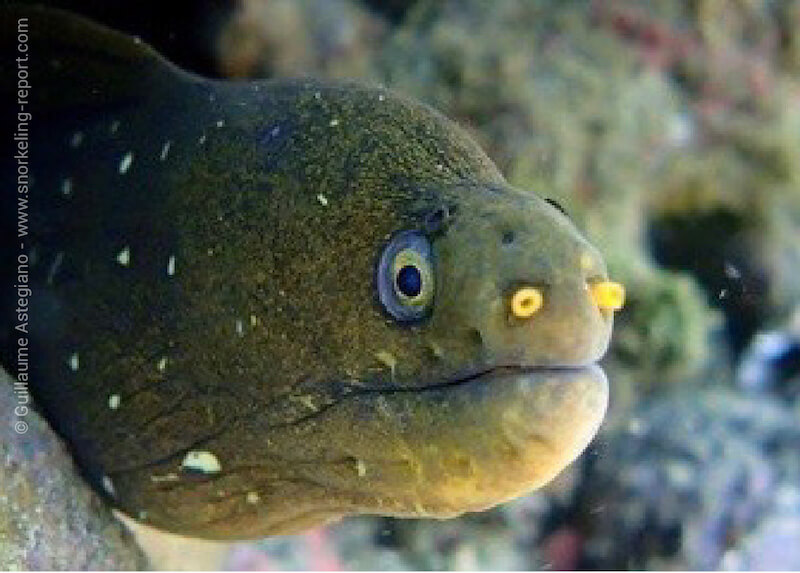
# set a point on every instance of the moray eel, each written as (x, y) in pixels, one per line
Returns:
(261, 306)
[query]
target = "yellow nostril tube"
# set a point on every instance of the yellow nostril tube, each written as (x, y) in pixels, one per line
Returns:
(525, 302)
(608, 295)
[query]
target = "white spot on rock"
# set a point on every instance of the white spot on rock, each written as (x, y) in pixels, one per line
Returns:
(381, 97)
(361, 468)
(171, 266)
(125, 163)
(124, 257)
(202, 139)
(76, 139)
(253, 320)
(66, 187)
(114, 126)
(165, 150)
(220, 123)
(334, 122)
(253, 497)
(113, 401)
(162, 364)
(322, 199)
(239, 328)
(74, 362)
(201, 461)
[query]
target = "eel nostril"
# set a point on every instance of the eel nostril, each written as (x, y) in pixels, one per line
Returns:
(608, 295)
(526, 301)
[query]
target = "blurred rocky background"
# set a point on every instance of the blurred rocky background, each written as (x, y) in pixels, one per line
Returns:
(670, 132)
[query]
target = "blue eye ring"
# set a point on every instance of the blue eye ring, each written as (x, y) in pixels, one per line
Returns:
(405, 279)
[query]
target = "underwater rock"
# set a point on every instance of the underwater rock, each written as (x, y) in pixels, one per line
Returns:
(287, 38)
(771, 363)
(698, 481)
(49, 517)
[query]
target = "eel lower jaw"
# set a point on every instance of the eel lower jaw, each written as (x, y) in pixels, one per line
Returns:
(490, 437)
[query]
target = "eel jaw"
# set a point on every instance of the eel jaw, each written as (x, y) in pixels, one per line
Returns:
(437, 451)
(470, 444)
(513, 430)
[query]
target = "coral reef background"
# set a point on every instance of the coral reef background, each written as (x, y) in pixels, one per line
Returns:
(670, 132)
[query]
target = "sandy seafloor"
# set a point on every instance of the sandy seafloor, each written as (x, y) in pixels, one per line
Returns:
(670, 132)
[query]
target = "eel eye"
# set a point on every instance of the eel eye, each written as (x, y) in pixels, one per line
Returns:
(405, 276)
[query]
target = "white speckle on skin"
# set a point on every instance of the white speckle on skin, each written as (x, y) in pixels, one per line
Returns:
(586, 262)
(124, 257)
(165, 477)
(201, 461)
(361, 468)
(202, 139)
(388, 359)
(252, 497)
(114, 126)
(253, 320)
(108, 486)
(307, 401)
(51, 273)
(334, 122)
(77, 139)
(113, 401)
(125, 163)
(381, 97)
(171, 266)
(239, 328)
(66, 187)
(322, 199)
(275, 131)
(439, 167)
(220, 122)
(436, 350)
(165, 150)
(162, 364)
(317, 95)
(74, 362)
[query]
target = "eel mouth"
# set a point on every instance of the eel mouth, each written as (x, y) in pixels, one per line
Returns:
(536, 372)
(478, 440)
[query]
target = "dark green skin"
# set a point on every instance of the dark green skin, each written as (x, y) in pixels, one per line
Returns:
(277, 348)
